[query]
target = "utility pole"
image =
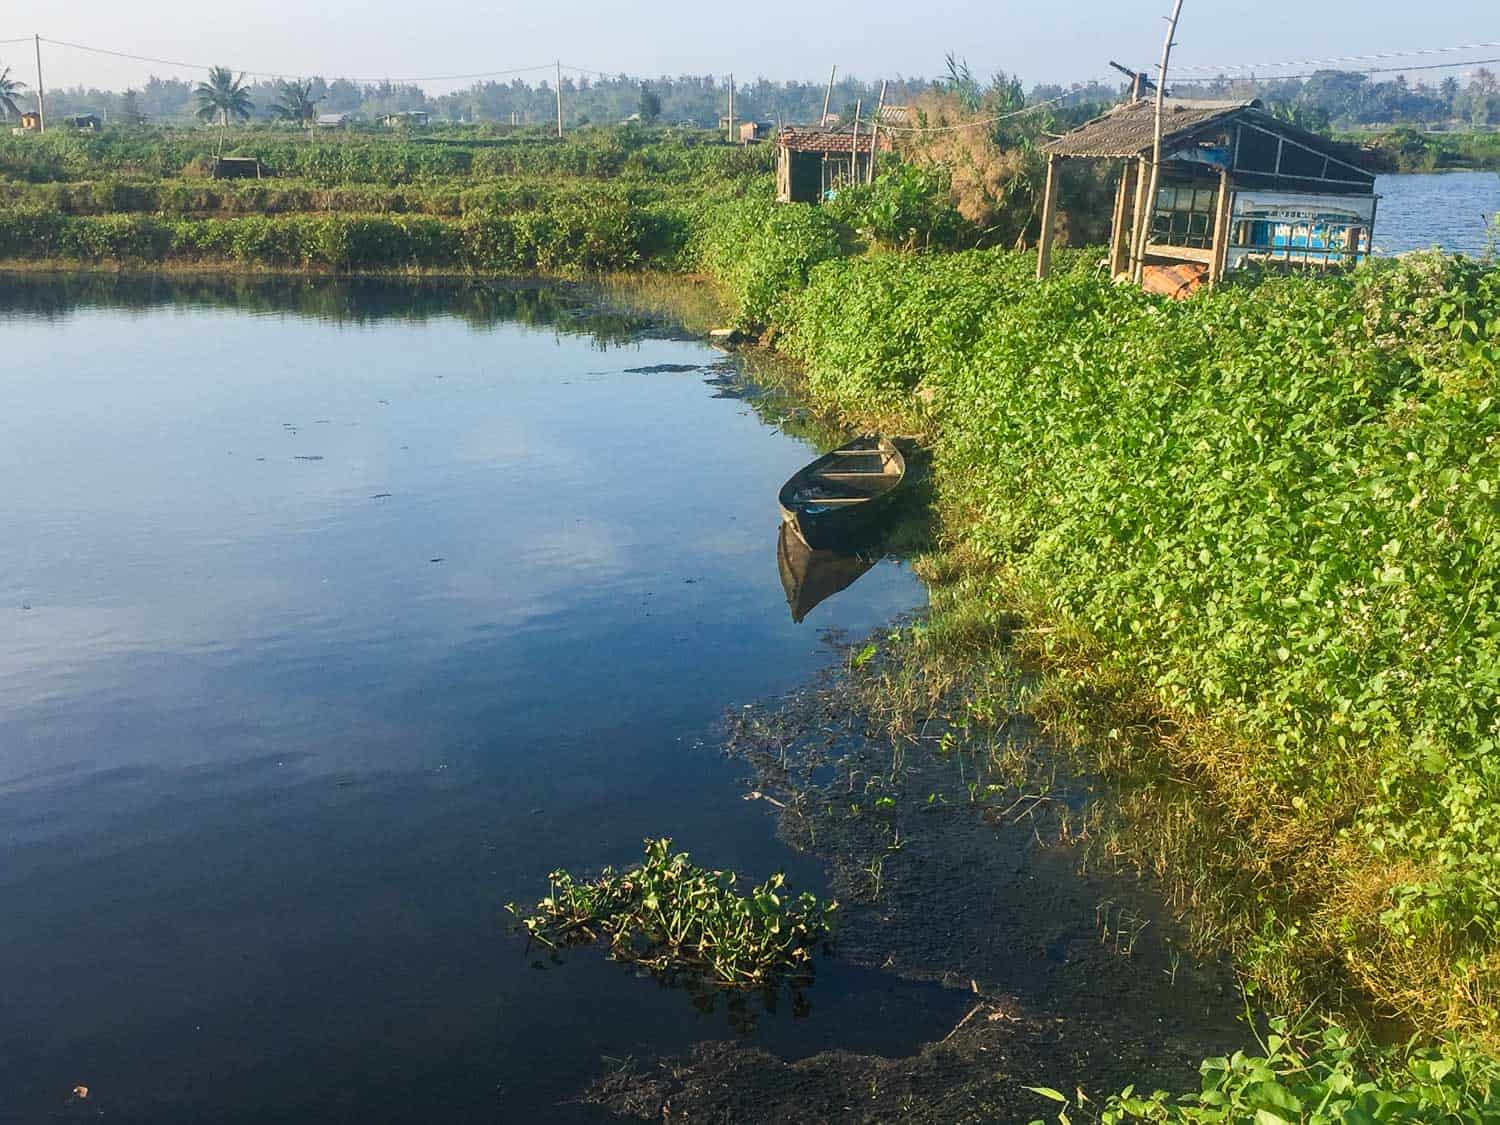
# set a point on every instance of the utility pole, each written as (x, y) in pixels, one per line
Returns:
(41, 109)
(731, 109)
(1161, 98)
(559, 99)
(875, 132)
(828, 97)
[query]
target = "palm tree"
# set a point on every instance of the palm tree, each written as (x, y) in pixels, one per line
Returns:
(9, 88)
(296, 103)
(223, 96)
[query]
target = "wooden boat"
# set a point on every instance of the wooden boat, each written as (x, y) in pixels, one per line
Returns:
(809, 577)
(843, 493)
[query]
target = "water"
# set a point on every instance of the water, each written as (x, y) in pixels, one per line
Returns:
(332, 618)
(1447, 209)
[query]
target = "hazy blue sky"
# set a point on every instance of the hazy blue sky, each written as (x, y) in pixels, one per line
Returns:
(776, 38)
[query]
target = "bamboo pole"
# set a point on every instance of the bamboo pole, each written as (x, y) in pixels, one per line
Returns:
(731, 109)
(875, 132)
(559, 99)
(828, 97)
(41, 108)
(1161, 99)
(854, 149)
(1119, 241)
(1049, 215)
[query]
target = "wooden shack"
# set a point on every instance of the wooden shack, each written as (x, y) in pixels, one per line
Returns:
(814, 161)
(1236, 185)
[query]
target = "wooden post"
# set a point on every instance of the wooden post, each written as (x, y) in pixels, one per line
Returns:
(875, 132)
(1140, 225)
(854, 149)
(41, 108)
(828, 97)
(731, 109)
(1119, 245)
(1161, 98)
(1049, 214)
(1220, 259)
(559, 99)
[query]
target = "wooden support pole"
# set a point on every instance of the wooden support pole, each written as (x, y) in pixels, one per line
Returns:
(875, 132)
(1161, 99)
(559, 99)
(731, 109)
(1049, 215)
(1119, 245)
(1221, 230)
(41, 107)
(854, 148)
(828, 97)
(1140, 223)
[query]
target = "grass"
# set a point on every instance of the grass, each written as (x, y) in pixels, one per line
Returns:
(672, 916)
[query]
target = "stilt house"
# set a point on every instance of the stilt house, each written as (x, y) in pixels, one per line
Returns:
(1236, 185)
(813, 161)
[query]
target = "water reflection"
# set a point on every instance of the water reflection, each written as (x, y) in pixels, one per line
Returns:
(811, 577)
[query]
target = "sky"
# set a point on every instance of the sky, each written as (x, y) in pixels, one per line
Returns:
(778, 39)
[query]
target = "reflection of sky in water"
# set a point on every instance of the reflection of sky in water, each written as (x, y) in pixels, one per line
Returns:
(262, 761)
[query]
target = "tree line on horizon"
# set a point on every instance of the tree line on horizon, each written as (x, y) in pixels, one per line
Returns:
(1330, 99)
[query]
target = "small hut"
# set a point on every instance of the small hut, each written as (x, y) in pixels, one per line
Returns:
(1236, 185)
(813, 161)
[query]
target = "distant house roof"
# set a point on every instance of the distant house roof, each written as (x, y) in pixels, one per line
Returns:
(895, 115)
(1130, 128)
(334, 118)
(831, 139)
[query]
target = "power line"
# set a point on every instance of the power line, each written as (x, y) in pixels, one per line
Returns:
(1262, 78)
(1381, 57)
(984, 120)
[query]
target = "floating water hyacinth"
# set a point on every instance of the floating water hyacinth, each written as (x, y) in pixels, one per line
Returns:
(670, 915)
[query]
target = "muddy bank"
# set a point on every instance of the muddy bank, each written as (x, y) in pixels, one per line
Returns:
(955, 847)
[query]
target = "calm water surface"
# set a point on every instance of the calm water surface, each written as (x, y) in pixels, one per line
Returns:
(1447, 209)
(331, 619)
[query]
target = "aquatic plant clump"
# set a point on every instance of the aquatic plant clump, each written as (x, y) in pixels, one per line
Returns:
(670, 915)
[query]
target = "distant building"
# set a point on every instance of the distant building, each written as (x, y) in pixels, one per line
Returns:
(238, 168)
(814, 161)
(753, 132)
(87, 122)
(406, 119)
(1236, 185)
(334, 120)
(31, 122)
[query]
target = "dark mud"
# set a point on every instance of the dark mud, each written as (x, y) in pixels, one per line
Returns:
(956, 855)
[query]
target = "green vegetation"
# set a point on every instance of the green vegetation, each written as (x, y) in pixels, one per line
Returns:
(1407, 150)
(1319, 1078)
(1257, 536)
(670, 915)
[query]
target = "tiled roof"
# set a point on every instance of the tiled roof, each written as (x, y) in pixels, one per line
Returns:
(1129, 129)
(816, 138)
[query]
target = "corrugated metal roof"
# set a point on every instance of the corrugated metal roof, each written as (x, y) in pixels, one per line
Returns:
(1129, 129)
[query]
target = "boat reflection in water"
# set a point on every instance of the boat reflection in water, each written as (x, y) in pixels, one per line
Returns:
(810, 577)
